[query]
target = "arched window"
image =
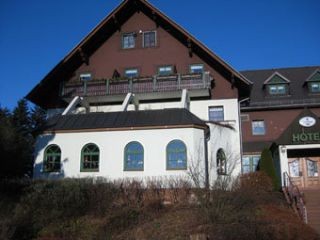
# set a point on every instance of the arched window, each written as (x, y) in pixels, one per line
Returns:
(90, 158)
(133, 157)
(221, 162)
(52, 159)
(176, 155)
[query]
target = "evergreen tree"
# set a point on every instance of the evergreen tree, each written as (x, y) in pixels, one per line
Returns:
(267, 165)
(18, 131)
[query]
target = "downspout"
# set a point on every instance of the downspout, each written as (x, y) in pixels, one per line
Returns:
(206, 140)
(240, 128)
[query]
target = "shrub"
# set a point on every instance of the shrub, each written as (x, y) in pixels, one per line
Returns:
(267, 165)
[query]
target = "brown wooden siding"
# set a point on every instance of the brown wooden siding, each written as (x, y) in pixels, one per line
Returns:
(111, 56)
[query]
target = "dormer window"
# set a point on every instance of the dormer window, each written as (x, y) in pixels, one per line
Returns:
(277, 85)
(149, 39)
(314, 82)
(85, 76)
(279, 89)
(128, 40)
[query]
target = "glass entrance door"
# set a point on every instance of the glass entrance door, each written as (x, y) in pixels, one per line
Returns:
(304, 171)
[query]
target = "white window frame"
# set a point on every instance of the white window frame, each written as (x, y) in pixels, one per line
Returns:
(255, 133)
(216, 109)
(155, 39)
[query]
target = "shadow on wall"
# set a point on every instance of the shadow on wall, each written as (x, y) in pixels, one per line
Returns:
(41, 143)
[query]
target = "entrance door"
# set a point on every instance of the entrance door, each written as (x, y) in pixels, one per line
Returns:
(304, 171)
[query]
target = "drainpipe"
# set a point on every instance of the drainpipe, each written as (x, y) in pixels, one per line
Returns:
(240, 129)
(206, 140)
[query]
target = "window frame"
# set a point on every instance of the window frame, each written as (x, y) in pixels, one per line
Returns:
(216, 107)
(128, 34)
(252, 166)
(315, 168)
(143, 38)
(125, 157)
(133, 68)
(221, 161)
(292, 168)
(311, 89)
(165, 66)
(196, 64)
(277, 92)
(83, 77)
(255, 133)
(185, 167)
(82, 168)
(45, 159)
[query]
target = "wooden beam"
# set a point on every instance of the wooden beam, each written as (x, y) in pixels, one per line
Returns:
(233, 82)
(116, 22)
(84, 56)
(155, 18)
(189, 45)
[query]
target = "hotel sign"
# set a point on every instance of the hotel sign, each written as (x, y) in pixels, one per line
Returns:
(306, 137)
(307, 121)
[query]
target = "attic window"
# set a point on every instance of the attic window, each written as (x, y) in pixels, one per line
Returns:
(85, 76)
(128, 40)
(149, 39)
(277, 85)
(314, 87)
(314, 83)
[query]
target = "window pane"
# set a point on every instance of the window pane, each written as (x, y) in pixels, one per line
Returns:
(294, 168)
(52, 159)
(196, 68)
(85, 76)
(128, 40)
(90, 158)
(246, 161)
(216, 114)
(312, 168)
(315, 87)
(165, 70)
(149, 39)
(258, 128)
(278, 89)
(133, 156)
(221, 162)
(176, 155)
(131, 73)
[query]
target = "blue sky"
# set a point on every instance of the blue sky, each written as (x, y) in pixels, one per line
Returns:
(249, 34)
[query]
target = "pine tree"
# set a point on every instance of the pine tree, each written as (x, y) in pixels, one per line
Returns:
(38, 120)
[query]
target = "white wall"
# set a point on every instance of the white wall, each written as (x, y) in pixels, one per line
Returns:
(154, 142)
(112, 144)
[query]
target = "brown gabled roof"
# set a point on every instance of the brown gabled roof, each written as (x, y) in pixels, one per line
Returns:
(45, 93)
(299, 95)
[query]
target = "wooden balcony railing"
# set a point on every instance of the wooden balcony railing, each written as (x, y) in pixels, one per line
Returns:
(103, 87)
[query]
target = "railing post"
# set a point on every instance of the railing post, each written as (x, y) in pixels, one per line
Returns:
(204, 78)
(84, 87)
(62, 89)
(179, 81)
(154, 87)
(107, 86)
(130, 85)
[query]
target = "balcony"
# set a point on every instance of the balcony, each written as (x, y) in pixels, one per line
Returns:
(155, 87)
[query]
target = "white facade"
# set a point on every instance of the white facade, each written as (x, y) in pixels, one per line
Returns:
(154, 142)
